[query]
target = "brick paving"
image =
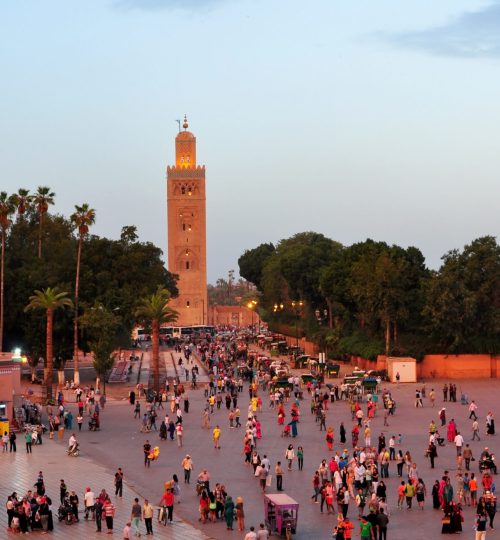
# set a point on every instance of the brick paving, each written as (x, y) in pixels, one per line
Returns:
(119, 444)
(19, 472)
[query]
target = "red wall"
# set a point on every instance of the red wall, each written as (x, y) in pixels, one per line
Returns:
(445, 366)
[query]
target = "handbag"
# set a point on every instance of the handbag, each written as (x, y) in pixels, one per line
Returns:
(446, 521)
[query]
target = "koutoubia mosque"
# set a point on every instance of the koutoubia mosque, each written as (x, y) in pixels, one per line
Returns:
(187, 230)
(187, 240)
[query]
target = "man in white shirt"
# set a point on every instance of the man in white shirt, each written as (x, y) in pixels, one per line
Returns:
(89, 502)
(459, 442)
(251, 535)
(392, 448)
(265, 463)
(72, 441)
(472, 410)
(359, 475)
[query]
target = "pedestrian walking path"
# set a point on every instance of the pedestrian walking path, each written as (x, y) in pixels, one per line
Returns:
(19, 472)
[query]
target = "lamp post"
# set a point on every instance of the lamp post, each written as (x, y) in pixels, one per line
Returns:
(297, 309)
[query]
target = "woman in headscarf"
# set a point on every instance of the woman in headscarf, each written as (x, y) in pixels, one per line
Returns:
(229, 512)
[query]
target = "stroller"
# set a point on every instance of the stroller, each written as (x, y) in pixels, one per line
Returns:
(65, 513)
(286, 431)
(94, 424)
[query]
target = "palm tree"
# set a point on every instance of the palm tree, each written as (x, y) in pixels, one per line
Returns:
(155, 309)
(43, 198)
(6, 210)
(22, 200)
(82, 218)
(49, 299)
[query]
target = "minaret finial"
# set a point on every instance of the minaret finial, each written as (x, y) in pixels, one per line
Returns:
(185, 125)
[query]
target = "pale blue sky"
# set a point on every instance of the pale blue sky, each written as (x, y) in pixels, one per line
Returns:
(355, 118)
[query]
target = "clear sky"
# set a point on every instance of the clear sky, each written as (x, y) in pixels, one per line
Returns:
(354, 118)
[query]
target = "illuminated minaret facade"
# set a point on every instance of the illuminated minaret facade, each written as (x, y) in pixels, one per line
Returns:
(187, 232)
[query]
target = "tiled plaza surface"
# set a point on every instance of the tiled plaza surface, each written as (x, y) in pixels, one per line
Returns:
(119, 444)
(19, 473)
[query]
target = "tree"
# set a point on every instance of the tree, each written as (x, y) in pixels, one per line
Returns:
(252, 262)
(49, 299)
(100, 325)
(82, 219)
(23, 200)
(111, 273)
(155, 309)
(301, 259)
(463, 299)
(43, 198)
(128, 234)
(6, 210)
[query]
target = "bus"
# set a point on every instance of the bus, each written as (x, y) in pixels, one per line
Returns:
(197, 330)
(175, 332)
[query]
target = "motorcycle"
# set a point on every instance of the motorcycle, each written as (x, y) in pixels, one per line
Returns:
(488, 464)
(74, 451)
(65, 513)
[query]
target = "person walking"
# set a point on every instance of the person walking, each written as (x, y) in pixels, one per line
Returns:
(382, 522)
(179, 430)
(229, 512)
(98, 514)
(475, 430)
(216, 437)
(300, 457)
(147, 449)
(290, 456)
(119, 483)
(168, 502)
(240, 514)
(147, 514)
(472, 410)
(28, 439)
(278, 471)
(467, 455)
(89, 503)
(109, 514)
(187, 467)
(136, 517)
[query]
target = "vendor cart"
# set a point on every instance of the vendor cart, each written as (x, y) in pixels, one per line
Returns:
(281, 513)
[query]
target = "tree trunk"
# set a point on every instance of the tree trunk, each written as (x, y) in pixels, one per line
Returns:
(395, 333)
(76, 371)
(60, 377)
(48, 359)
(387, 336)
(155, 352)
(2, 288)
(40, 235)
(330, 314)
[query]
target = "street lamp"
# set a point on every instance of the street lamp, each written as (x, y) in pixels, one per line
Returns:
(251, 306)
(278, 307)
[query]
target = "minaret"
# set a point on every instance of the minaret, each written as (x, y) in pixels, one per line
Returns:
(187, 234)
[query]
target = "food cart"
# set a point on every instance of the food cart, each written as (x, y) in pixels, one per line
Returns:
(281, 513)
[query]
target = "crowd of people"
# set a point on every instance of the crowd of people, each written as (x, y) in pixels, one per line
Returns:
(350, 484)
